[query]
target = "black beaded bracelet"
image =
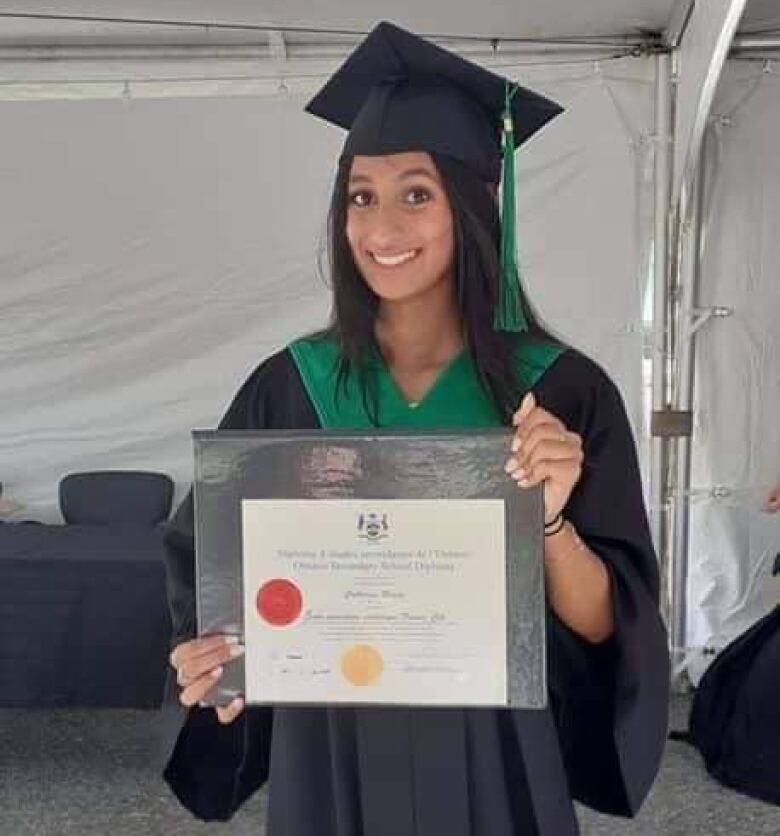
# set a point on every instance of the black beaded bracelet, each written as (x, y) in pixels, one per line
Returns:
(555, 525)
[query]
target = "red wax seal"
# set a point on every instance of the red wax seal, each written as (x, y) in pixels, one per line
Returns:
(279, 602)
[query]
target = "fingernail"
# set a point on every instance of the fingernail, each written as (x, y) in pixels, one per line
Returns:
(232, 640)
(520, 475)
(516, 444)
(523, 483)
(236, 650)
(511, 465)
(217, 672)
(527, 404)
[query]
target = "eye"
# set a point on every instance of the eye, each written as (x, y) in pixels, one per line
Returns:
(360, 199)
(418, 195)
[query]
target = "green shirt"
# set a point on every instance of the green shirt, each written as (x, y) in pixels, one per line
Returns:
(455, 400)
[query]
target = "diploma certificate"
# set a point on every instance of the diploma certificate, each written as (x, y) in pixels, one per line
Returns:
(370, 568)
(383, 601)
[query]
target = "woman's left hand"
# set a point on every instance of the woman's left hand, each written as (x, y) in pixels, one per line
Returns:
(544, 451)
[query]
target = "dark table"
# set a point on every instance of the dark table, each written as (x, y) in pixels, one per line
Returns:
(83, 616)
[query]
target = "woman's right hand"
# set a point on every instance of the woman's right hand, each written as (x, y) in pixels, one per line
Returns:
(199, 664)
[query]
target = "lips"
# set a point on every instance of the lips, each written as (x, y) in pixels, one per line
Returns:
(393, 259)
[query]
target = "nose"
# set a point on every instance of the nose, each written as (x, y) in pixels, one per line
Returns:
(387, 229)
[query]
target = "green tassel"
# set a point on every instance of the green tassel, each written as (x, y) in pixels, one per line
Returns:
(509, 312)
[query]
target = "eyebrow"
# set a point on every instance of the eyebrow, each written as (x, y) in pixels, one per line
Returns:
(406, 175)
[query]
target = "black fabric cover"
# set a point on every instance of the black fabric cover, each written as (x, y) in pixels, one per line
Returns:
(83, 616)
(116, 497)
(735, 718)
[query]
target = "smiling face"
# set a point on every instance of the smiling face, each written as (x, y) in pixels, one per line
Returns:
(399, 226)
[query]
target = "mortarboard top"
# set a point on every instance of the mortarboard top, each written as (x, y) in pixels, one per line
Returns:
(397, 92)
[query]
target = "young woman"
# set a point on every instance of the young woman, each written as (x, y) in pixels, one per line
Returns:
(425, 333)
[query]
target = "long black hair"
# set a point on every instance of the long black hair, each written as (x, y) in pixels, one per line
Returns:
(476, 232)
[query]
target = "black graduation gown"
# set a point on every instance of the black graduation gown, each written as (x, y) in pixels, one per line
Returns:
(475, 772)
(735, 716)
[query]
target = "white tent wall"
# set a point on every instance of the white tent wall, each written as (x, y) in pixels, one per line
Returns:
(153, 251)
(736, 442)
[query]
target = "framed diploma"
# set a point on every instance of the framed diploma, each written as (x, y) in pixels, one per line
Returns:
(371, 569)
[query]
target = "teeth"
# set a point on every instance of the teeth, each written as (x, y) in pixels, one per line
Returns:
(393, 260)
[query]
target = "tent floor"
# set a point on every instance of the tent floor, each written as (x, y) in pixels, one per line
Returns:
(68, 772)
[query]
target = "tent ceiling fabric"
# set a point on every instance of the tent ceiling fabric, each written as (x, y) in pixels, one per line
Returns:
(539, 19)
(148, 23)
(761, 16)
(534, 19)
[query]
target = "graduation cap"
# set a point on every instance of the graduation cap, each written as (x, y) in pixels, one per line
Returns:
(397, 92)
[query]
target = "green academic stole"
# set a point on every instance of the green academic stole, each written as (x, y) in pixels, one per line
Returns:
(456, 399)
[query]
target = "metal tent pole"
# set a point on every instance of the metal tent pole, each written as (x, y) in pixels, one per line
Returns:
(690, 221)
(754, 43)
(660, 324)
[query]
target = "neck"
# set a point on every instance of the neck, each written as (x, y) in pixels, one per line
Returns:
(419, 333)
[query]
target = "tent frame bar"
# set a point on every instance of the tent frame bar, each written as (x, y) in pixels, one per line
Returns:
(685, 327)
(660, 331)
(475, 50)
(684, 261)
(754, 43)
